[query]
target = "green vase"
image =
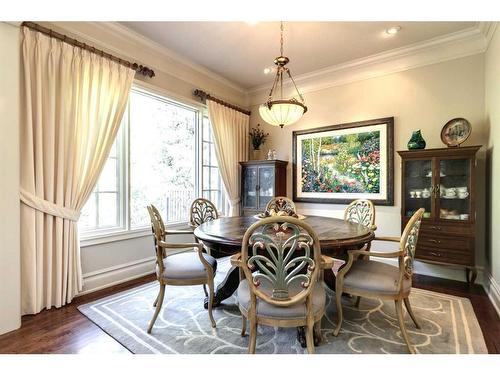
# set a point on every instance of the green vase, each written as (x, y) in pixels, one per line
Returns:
(416, 141)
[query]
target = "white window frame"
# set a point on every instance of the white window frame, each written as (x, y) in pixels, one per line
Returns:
(98, 236)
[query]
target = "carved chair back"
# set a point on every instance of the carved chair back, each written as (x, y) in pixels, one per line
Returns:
(281, 252)
(408, 243)
(361, 211)
(281, 204)
(159, 233)
(201, 211)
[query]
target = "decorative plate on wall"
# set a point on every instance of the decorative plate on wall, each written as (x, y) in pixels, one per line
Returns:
(455, 132)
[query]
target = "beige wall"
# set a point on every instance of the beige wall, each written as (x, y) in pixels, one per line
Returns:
(492, 103)
(423, 98)
(10, 282)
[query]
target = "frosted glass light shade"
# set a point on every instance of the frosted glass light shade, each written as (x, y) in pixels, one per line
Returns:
(282, 112)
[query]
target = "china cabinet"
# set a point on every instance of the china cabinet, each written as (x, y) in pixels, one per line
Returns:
(260, 181)
(443, 182)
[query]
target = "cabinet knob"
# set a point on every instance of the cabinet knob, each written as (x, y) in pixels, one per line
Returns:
(435, 228)
(434, 254)
(434, 241)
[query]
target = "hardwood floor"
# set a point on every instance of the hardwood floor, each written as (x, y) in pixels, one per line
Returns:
(66, 330)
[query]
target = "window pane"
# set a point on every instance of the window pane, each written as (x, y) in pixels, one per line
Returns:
(214, 197)
(213, 159)
(162, 158)
(206, 129)
(108, 210)
(88, 218)
(108, 180)
(214, 178)
(206, 178)
(206, 153)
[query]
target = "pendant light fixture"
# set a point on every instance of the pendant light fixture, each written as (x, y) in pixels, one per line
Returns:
(280, 111)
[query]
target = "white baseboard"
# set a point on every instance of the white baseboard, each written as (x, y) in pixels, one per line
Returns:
(121, 273)
(493, 290)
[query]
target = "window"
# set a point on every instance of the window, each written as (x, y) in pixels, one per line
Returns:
(162, 158)
(164, 154)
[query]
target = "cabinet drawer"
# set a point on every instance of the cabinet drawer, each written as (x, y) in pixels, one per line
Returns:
(444, 229)
(453, 243)
(444, 255)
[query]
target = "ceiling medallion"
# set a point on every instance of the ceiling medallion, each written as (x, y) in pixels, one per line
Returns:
(280, 111)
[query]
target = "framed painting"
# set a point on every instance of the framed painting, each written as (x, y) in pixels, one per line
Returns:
(341, 163)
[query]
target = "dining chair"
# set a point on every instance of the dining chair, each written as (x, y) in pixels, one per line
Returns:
(187, 268)
(281, 204)
(280, 284)
(201, 211)
(361, 211)
(374, 279)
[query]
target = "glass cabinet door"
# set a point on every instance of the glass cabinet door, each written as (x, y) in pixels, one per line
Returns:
(454, 189)
(250, 188)
(266, 185)
(418, 187)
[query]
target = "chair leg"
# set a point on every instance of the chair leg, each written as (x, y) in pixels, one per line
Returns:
(243, 325)
(338, 298)
(159, 303)
(410, 311)
(310, 338)
(317, 332)
(210, 283)
(399, 313)
(156, 300)
(358, 300)
(205, 290)
(253, 337)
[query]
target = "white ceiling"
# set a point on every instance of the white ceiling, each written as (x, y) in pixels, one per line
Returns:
(239, 51)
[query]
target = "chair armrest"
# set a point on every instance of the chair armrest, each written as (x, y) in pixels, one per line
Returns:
(393, 254)
(179, 232)
(389, 239)
(166, 245)
(327, 262)
(236, 260)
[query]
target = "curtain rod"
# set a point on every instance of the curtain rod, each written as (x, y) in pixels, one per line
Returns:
(205, 96)
(141, 69)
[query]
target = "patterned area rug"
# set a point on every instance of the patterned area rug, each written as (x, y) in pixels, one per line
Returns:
(448, 324)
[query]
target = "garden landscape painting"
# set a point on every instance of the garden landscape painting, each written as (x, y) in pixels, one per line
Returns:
(339, 163)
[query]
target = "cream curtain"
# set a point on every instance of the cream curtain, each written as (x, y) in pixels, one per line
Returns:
(230, 129)
(73, 101)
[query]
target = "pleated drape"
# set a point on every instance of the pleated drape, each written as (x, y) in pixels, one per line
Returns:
(230, 129)
(72, 105)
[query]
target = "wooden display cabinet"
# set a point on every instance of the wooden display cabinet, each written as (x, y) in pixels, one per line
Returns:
(443, 182)
(261, 180)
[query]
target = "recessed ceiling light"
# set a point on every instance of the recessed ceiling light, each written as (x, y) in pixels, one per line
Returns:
(268, 70)
(393, 30)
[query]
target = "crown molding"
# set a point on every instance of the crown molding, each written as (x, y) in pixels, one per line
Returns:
(488, 30)
(129, 34)
(13, 23)
(455, 45)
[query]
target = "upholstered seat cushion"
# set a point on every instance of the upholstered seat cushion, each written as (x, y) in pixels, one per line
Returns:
(375, 277)
(186, 266)
(267, 310)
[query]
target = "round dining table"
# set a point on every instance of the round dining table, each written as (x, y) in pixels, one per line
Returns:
(223, 237)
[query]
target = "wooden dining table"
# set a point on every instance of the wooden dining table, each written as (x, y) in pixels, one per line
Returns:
(223, 237)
